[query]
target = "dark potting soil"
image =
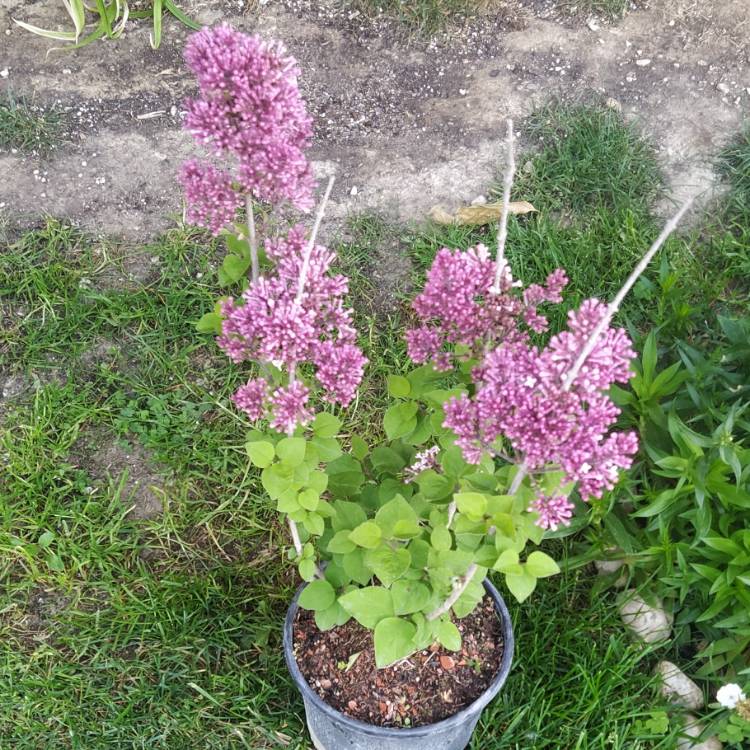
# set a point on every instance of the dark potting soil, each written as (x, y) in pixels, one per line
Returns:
(426, 687)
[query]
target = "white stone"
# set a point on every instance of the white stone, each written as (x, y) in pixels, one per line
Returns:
(648, 623)
(605, 567)
(723, 88)
(593, 24)
(678, 688)
(693, 729)
(4, 73)
(612, 103)
(643, 62)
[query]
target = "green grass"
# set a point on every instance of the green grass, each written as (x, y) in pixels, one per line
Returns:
(612, 10)
(117, 633)
(575, 142)
(427, 16)
(734, 166)
(579, 682)
(26, 127)
(734, 162)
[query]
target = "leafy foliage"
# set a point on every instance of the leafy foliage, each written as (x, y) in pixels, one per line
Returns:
(683, 520)
(395, 544)
(734, 730)
(110, 21)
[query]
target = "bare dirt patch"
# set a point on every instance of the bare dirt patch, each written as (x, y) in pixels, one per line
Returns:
(126, 466)
(34, 620)
(405, 123)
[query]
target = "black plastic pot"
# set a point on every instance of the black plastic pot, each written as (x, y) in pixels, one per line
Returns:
(332, 730)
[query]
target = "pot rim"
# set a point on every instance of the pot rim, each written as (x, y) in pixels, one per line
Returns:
(474, 708)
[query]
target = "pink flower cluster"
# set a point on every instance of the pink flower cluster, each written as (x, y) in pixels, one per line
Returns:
(250, 113)
(269, 324)
(521, 398)
(423, 460)
(552, 512)
(457, 307)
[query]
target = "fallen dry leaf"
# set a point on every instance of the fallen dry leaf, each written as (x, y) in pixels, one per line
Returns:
(447, 662)
(478, 215)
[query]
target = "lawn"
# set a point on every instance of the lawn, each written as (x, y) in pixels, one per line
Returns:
(118, 631)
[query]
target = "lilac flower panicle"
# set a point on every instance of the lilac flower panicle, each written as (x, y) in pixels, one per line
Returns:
(457, 306)
(268, 324)
(520, 398)
(212, 201)
(340, 368)
(289, 407)
(423, 460)
(251, 398)
(553, 512)
(250, 114)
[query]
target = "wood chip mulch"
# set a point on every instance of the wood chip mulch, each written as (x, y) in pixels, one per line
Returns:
(426, 687)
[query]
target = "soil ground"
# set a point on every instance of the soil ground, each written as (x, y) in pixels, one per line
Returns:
(425, 688)
(404, 122)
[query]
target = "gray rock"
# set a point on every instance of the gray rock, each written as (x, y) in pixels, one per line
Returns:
(605, 567)
(678, 688)
(693, 729)
(608, 567)
(648, 623)
(14, 386)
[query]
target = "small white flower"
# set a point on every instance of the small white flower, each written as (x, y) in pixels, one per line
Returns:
(730, 695)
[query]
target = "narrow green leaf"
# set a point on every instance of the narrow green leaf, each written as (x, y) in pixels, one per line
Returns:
(180, 16)
(63, 36)
(156, 36)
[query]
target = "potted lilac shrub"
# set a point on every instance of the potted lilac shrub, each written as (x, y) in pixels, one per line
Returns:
(396, 638)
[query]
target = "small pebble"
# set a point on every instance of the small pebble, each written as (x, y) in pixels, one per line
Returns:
(447, 662)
